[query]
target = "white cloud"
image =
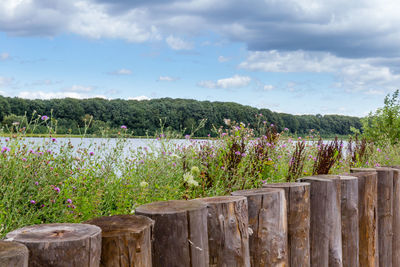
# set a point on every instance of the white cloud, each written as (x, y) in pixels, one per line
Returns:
(78, 88)
(121, 72)
(178, 44)
(51, 95)
(4, 56)
(268, 87)
(167, 79)
(236, 81)
(139, 98)
(223, 59)
(368, 75)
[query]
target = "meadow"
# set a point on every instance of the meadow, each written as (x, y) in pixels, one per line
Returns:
(57, 181)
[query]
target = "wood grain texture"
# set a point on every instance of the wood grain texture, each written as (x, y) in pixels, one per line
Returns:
(13, 254)
(126, 240)
(396, 217)
(349, 215)
(298, 216)
(228, 236)
(60, 244)
(325, 223)
(268, 224)
(368, 215)
(180, 236)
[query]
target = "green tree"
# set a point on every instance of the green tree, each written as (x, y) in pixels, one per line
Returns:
(384, 124)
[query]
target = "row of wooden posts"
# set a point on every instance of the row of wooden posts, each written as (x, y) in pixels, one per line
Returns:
(329, 220)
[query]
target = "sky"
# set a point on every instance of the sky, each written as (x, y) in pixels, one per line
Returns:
(292, 56)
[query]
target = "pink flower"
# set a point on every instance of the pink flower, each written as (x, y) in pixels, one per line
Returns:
(53, 140)
(238, 153)
(69, 200)
(44, 118)
(5, 149)
(57, 189)
(378, 149)
(123, 127)
(23, 159)
(91, 153)
(32, 202)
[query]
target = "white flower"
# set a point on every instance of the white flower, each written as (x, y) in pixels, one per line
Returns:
(189, 179)
(144, 184)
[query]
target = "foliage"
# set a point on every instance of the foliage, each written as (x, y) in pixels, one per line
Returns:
(384, 124)
(72, 116)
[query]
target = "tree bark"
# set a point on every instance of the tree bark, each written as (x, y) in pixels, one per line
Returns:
(349, 215)
(13, 254)
(325, 224)
(228, 236)
(385, 215)
(298, 216)
(396, 217)
(180, 232)
(268, 224)
(367, 214)
(60, 244)
(126, 240)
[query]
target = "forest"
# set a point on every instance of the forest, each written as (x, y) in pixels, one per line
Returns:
(147, 117)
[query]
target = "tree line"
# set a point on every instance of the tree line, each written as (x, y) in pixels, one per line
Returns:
(146, 117)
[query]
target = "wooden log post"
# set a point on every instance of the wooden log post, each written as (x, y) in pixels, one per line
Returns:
(126, 240)
(396, 217)
(60, 244)
(180, 235)
(325, 222)
(298, 216)
(13, 254)
(349, 217)
(385, 214)
(367, 215)
(228, 236)
(267, 226)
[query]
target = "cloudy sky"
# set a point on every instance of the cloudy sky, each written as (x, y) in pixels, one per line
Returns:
(294, 56)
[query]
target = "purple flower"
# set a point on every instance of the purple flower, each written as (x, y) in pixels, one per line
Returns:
(36, 183)
(57, 189)
(187, 136)
(243, 154)
(44, 118)
(123, 127)
(5, 149)
(32, 202)
(238, 153)
(286, 129)
(174, 164)
(53, 140)
(378, 149)
(91, 153)
(69, 200)
(141, 161)
(272, 125)
(23, 159)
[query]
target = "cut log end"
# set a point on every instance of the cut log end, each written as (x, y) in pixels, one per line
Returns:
(286, 185)
(170, 207)
(257, 191)
(221, 199)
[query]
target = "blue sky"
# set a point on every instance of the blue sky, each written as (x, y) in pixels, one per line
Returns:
(299, 57)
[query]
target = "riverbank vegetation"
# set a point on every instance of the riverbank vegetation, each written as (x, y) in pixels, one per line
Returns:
(72, 116)
(52, 180)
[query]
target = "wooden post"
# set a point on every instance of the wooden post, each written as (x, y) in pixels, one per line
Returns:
(268, 224)
(367, 214)
(180, 232)
(298, 216)
(60, 244)
(126, 240)
(385, 215)
(396, 217)
(349, 215)
(228, 236)
(13, 254)
(325, 223)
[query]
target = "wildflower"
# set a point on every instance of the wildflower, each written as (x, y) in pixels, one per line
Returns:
(195, 170)
(238, 153)
(69, 200)
(23, 159)
(57, 189)
(91, 153)
(286, 129)
(224, 134)
(283, 145)
(174, 164)
(243, 154)
(377, 165)
(272, 125)
(378, 149)
(44, 118)
(32, 202)
(141, 161)
(189, 179)
(123, 127)
(5, 149)
(143, 184)
(53, 140)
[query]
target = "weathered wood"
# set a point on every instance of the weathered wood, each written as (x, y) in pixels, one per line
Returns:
(228, 236)
(298, 216)
(60, 244)
(126, 240)
(325, 222)
(180, 232)
(396, 217)
(13, 254)
(385, 215)
(349, 215)
(367, 214)
(268, 224)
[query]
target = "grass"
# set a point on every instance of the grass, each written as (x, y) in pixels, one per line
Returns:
(55, 181)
